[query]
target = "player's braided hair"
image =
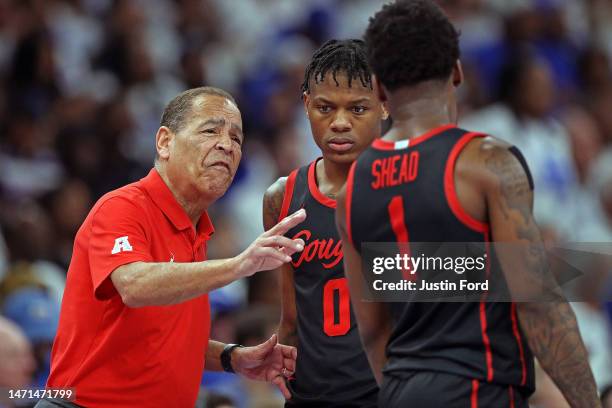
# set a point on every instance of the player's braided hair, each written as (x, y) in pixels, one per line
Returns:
(345, 56)
(411, 41)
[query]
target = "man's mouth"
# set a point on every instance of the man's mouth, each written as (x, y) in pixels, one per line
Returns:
(341, 144)
(221, 164)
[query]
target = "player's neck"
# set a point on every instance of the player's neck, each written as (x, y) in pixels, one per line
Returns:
(331, 176)
(417, 110)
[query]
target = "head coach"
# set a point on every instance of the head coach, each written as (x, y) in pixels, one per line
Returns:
(135, 318)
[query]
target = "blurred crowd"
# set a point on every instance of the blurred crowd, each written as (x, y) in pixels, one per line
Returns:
(83, 84)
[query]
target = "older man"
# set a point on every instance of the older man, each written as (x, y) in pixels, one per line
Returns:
(135, 318)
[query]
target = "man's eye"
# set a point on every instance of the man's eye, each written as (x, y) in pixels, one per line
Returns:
(209, 131)
(237, 140)
(359, 109)
(324, 108)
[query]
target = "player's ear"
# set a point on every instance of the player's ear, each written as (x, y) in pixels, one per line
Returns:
(306, 100)
(385, 112)
(457, 74)
(163, 140)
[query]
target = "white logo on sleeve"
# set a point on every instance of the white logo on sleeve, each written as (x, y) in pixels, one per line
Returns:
(121, 245)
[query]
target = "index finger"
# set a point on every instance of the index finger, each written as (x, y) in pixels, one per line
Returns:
(287, 223)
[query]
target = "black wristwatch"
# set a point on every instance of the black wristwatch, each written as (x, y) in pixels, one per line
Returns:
(226, 357)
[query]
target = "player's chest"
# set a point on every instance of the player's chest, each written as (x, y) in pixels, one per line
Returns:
(322, 245)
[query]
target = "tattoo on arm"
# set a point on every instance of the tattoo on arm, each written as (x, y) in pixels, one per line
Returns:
(515, 201)
(550, 326)
(273, 202)
(272, 205)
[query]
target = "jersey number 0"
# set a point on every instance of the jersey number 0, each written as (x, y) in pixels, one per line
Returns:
(330, 327)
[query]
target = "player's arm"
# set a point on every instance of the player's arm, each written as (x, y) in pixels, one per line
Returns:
(550, 326)
(151, 283)
(272, 204)
(373, 318)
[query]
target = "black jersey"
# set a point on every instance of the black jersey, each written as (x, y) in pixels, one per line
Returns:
(332, 368)
(404, 192)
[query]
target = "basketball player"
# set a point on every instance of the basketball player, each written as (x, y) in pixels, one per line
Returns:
(345, 115)
(440, 183)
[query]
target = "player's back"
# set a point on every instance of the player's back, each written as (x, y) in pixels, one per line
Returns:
(404, 192)
(332, 369)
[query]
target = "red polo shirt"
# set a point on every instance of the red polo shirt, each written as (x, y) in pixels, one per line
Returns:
(114, 355)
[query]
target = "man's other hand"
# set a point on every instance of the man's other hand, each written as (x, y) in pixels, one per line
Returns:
(268, 361)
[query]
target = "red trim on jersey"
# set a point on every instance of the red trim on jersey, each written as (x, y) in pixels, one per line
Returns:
(486, 341)
(474, 398)
(519, 342)
(449, 186)
(483, 316)
(314, 189)
(288, 194)
(349, 200)
(511, 392)
(382, 144)
(396, 216)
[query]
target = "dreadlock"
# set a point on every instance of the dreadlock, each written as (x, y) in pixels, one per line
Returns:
(345, 56)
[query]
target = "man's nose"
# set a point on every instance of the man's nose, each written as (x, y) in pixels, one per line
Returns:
(341, 123)
(224, 143)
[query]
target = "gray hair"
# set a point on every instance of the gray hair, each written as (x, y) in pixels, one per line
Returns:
(180, 106)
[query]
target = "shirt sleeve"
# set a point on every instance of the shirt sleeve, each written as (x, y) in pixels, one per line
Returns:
(118, 237)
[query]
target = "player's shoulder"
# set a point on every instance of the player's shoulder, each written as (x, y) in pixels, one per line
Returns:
(273, 202)
(124, 200)
(492, 159)
(277, 189)
(273, 197)
(484, 147)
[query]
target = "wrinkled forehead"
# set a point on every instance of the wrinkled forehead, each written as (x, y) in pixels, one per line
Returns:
(216, 111)
(209, 106)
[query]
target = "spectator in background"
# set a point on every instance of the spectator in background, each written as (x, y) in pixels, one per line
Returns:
(16, 356)
(594, 70)
(587, 147)
(29, 167)
(522, 117)
(37, 314)
(593, 323)
(30, 239)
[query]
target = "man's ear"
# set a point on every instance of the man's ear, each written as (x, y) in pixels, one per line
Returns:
(163, 140)
(457, 74)
(306, 100)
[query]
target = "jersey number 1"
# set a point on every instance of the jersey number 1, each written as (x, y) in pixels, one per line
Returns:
(330, 327)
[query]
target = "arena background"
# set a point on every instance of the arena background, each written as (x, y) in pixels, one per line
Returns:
(83, 84)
